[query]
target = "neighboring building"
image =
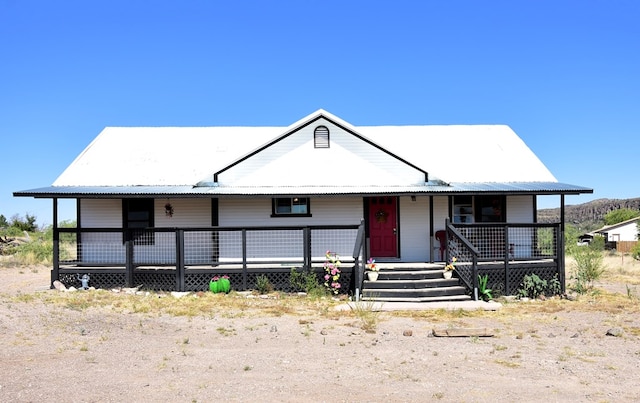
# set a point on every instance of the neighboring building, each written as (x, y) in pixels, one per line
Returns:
(622, 231)
(402, 182)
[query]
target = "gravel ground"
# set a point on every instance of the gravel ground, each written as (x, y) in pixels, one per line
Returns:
(556, 352)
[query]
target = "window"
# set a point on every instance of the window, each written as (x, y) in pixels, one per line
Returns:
(321, 137)
(291, 207)
(138, 213)
(490, 208)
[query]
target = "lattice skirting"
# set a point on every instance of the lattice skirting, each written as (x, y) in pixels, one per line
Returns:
(499, 286)
(97, 280)
(166, 280)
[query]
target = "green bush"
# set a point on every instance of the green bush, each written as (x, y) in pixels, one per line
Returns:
(533, 286)
(588, 267)
(263, 285)
(635, 251)
(304, 280)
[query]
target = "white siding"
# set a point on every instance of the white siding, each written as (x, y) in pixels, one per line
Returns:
(440, 214)
(294, 161)
(105, 247)
(324, 211)
(186, 213)
(101, 213)
(520, 210)
(109, 247)
(414, 229)
(257, 213)
(626, 232)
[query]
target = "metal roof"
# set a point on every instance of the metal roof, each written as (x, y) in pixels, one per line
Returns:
(182, 161)
(222, 191)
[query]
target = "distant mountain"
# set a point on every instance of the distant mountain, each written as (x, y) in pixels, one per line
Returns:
(587, 216)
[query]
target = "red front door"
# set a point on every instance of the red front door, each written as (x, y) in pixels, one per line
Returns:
(383, 226)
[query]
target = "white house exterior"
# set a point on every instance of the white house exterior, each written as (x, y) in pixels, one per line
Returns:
(626, 231)
(403, 182)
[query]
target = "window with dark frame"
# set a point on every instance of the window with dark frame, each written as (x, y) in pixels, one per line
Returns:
(321, 137)
(139, 213)
(290, 207)
(490, 208)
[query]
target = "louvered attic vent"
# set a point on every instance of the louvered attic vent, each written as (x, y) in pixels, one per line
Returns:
(321, 137)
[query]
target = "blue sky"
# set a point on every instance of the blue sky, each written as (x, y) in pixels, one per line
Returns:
(565, 75)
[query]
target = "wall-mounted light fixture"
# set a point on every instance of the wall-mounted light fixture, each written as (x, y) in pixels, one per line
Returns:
(168, 210)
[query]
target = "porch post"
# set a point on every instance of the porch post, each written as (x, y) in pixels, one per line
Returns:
(128, 247)
(244, 259)
(55, 271)
(561, 255)
(180, 283)
(431, 245)
(507, 248)
(306, 236)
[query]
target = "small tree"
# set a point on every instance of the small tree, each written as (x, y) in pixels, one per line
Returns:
(588, 266)
(3, 221)
(620, 215)
(27, 224)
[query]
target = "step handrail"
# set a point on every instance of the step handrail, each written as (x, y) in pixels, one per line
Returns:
(466, 253)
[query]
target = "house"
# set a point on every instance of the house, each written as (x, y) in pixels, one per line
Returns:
(170, 206)
(621, 236)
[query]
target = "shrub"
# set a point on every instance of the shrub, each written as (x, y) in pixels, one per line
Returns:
(304, 280)
(635, 251)
(533, 286)
(263, 285)
(588, 268)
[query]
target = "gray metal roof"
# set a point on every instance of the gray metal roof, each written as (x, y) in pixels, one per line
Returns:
(221, 191)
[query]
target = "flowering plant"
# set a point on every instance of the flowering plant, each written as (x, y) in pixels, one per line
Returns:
(371, 265)
(332, 272)
(451, 265)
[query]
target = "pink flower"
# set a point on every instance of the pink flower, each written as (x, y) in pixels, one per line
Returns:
(326, 277)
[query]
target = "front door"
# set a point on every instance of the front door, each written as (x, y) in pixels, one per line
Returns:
(383, 226)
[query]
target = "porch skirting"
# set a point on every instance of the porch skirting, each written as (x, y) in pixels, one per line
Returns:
(193, 279)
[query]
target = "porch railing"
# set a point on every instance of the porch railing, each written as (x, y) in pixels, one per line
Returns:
(174, 253)
(506, 253)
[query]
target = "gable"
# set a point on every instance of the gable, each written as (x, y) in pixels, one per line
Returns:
(294, 160)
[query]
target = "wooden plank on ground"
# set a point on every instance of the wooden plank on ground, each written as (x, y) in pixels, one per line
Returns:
(463, 332)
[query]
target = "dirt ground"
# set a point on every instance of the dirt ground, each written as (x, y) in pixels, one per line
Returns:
(554, 350)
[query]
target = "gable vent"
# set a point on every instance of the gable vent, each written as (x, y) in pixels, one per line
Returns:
(321, 137)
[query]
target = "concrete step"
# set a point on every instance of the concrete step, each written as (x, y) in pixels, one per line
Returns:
(385, 293)
(418, 283)
(413, 283)
(424, 299)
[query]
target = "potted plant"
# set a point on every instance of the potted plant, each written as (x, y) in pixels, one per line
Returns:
(372, 270)
(449, 268)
